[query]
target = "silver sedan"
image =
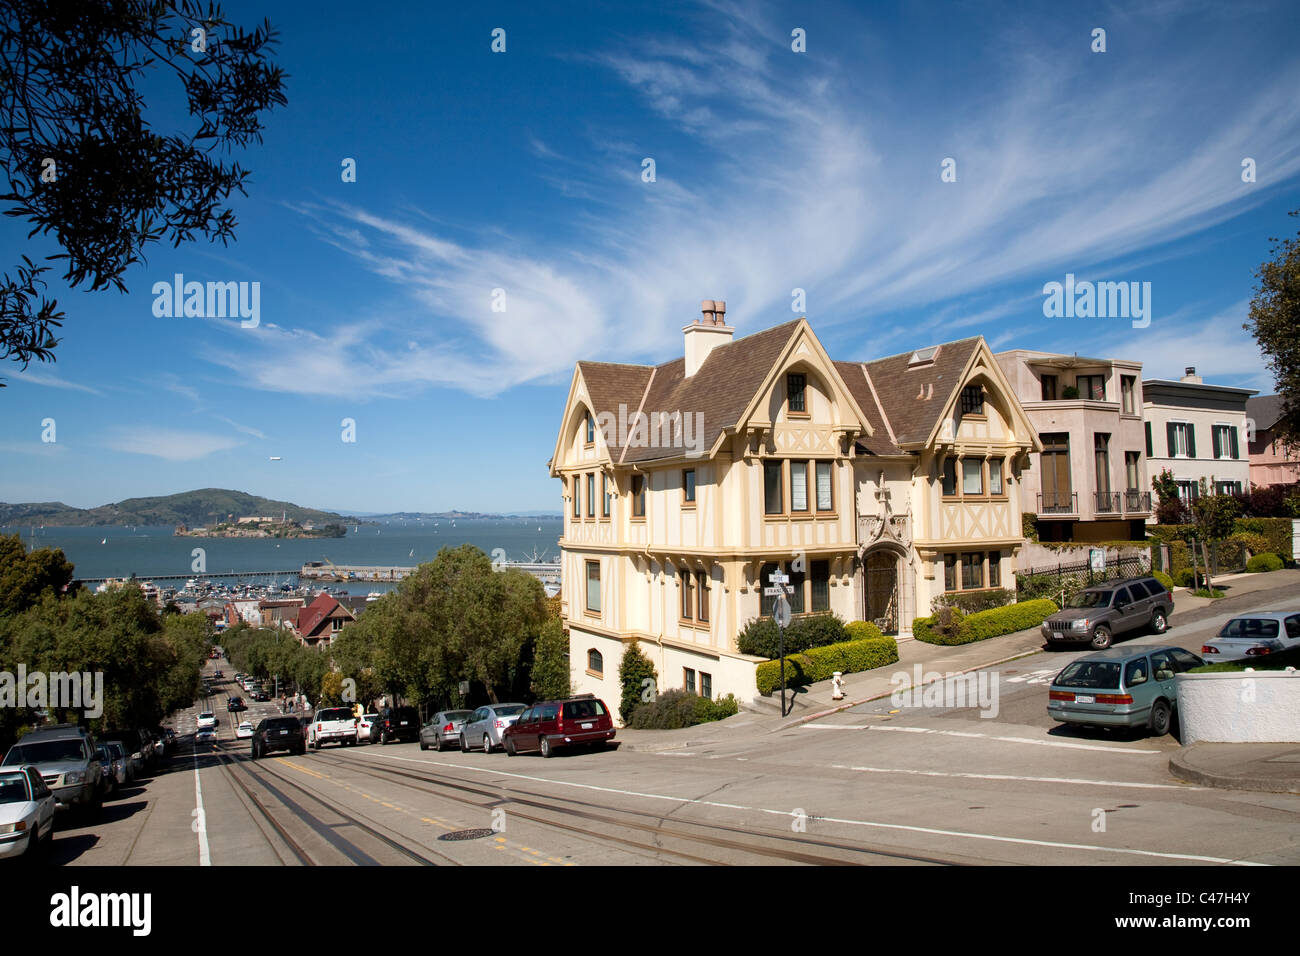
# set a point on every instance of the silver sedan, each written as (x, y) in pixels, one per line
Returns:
(484, 727)
(443, 729)
(1254, 635)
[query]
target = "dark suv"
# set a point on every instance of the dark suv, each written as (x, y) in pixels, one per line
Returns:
(1103, 611)
(396, 723)
(550, 725)
(279, 733)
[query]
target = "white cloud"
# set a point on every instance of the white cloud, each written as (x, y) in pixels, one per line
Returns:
(54, 381)
(1222, 352)
(167, 443)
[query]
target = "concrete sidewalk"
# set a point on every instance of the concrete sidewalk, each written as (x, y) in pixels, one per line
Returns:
(814, 701)
(1274, 768)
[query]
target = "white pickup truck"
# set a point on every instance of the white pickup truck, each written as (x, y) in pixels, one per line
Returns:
(332, 724)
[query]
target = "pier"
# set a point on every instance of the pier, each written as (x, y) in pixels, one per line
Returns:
(205, 576)
(323, 571)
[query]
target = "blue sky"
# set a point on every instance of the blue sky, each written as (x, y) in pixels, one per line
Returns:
(774, 170)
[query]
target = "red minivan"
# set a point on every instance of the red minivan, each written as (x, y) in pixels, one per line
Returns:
(550, 725)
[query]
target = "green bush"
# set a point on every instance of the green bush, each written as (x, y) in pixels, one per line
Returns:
(819, 663)
(946, 627)
(1264, 562)
(760, 636)
(1164, 579)
(862, 631)
(674, 709)
(1276, 531)
(971, 601)
(633, 672)
(1252, 541)
(1183, 577)
(1029, 525)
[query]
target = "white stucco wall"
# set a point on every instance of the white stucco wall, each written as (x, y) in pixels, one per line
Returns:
(1246, 707)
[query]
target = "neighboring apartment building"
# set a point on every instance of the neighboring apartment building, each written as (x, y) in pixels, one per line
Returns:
(1197, 431)
(875, 486)
(1089, 483)
(320, 621)
(1272, 461)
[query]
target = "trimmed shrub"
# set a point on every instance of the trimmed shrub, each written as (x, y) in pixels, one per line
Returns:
(1029, 525)
(707, 710)
(760, 636)
(819, 663)
(1264, 562)
(971, 601)
(1164, 579)
(1252, 541)
(1276, 531)
(1183, 577)
(671, 710)
(862, 631)
(947, 628)
(633, 672)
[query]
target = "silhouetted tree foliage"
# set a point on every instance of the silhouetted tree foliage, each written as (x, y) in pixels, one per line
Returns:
(1275, 323)
(84, 162)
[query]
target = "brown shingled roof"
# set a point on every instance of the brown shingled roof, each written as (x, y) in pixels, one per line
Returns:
(610, 384)
(855, 378)
(910, 403)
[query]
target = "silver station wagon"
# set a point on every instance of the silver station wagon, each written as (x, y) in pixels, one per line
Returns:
(1130, 686)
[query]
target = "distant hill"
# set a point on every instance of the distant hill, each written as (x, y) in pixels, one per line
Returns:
(190, 508)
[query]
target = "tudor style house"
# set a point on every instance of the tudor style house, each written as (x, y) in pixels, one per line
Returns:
(875, 485)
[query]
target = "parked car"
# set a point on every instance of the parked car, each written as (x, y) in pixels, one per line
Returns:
(207, 720)
(484, 727)
(120, 755)
(1254, 635)
(552, 725)
(27, 809)
(443, 729)
(1121, 687)
(244, 730)
(278, 733)
(133, 746)
(65, 756)
(332, 725)
(364, 726)
(111, 774)
(235, 704)
(396, 723)
(1102, 611)
(260, 696)
(205, 735)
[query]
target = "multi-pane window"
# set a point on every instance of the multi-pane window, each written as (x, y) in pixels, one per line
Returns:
(607, 496)
(1131, 461)
(972, 570)
(767, 603)
(1225, 442)
(773, 497)
(820, 586)
(595, 662)
(825, 500)
(995, 476)
(796, 393)
(591, 494)
(972, 476)
(798, 486)
(796, 596)
(1227, 487)
(1189, 491)
(950, 572)
(1049, 388)
(688, 486)
(688, 678)
(702, 588)
(1128, 394)
(995, 569)
(1181, 438)
(809, 590)
(706, 685)
(593, 586)
(972, 400)
(1092, 387)
(638, 496)
(688, 595)
(965, 477)
(965, 571)
(577, 496)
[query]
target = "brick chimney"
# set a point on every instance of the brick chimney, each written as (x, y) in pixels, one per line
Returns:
(706, 333)
(1190, 376)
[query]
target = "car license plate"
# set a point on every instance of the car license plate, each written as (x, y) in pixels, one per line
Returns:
(283, 733)
(588, 726)
(1085, 699)
(404, 723)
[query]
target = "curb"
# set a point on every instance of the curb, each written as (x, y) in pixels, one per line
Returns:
(1179, 768)
(865, 700)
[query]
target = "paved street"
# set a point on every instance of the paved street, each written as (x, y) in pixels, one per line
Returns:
(873, 784)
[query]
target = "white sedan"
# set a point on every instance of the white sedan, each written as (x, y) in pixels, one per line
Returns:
(244, 730)
(207, 721)
(363, 726)
(26, 811)
(1254, 635)
(206, 734)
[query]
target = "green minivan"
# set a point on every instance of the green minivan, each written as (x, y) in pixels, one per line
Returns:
(1130, 686)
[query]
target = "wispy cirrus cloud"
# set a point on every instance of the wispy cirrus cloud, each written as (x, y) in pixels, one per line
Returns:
(53, 381)
(170, 444)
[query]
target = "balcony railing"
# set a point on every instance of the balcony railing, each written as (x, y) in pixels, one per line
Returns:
(1106, 502)
(1058, 503)
(1137, 502)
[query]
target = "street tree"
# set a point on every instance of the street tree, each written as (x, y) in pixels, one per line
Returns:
(1275, 323)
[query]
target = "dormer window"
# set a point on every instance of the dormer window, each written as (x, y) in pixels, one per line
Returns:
(591, 429)
(923, 356)
(796, 393)
(972, 400)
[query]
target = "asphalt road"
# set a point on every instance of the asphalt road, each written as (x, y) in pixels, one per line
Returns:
(923, 784)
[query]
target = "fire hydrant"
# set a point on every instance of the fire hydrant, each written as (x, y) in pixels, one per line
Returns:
(837, 686)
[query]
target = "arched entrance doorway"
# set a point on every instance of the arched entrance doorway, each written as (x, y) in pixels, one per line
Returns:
(882, 592)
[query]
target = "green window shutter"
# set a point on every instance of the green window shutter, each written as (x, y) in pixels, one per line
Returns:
(1216, 440)
(1236, 450)
(1150, 451)
(1191, 440)
(1169, 437)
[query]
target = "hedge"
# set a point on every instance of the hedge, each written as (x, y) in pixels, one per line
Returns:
(1164, 579)
(862, 631)
(968, 602)
(1264, 562)
(760, 637)
(674, 709)
(984, 624)
(819, 663)
(1277, 532)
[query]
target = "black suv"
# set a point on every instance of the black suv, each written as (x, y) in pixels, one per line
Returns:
(396, 723)
(279, 733)
(1102, 611)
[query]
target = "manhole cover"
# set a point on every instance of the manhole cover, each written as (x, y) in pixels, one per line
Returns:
(474, 834)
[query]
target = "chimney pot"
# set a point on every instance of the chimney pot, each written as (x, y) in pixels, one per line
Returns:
(720, 312)
(1190, 370)
(707, 306)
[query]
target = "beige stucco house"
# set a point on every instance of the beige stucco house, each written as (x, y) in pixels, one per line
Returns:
(1090, 482)
(875, 485)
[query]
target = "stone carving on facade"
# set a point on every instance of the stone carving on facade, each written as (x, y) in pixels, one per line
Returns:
(885, 527)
